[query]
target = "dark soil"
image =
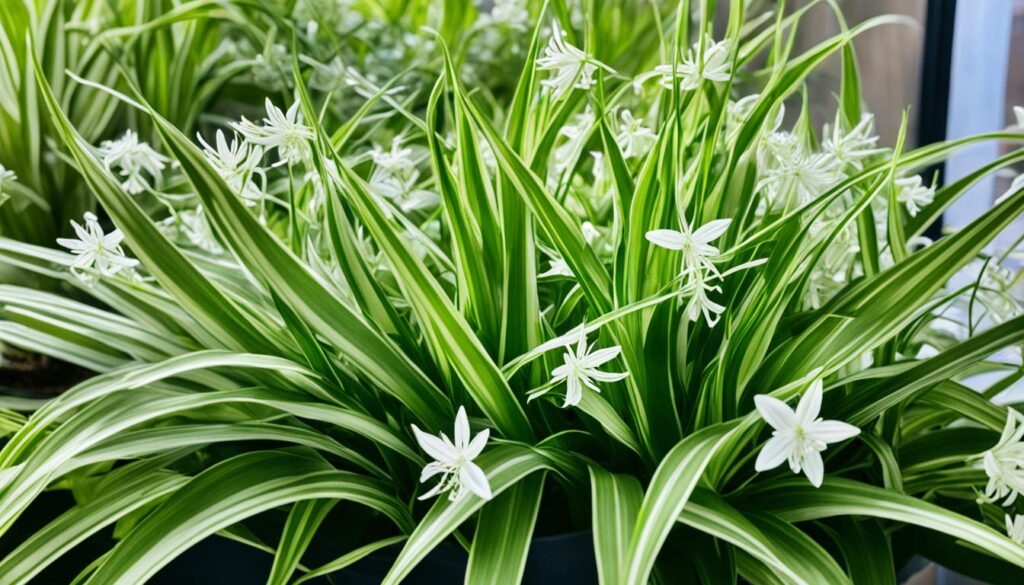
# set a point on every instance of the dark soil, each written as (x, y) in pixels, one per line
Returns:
(38, 373)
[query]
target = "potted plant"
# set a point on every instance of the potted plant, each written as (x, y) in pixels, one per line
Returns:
(630, 303)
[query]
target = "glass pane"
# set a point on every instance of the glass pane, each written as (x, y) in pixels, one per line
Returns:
(889, 57)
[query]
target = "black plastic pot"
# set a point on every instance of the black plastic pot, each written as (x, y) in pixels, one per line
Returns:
(566, 559)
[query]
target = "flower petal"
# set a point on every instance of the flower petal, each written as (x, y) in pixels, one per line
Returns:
(430, 470)
(432, 492)
(560, 373)
(82, 233)
(601, 356)
(474, 479)
(476, 446)
(608, 376)
(831, 431)
(670, 239)
(810, 404)
(814, 468)
(581, 346)
(72, 244)
(774, 452)
(573, 392)
(711, 231)
(775, 412)
(461, 429)
(434, 447)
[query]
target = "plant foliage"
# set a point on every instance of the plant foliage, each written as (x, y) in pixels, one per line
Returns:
(613, 239)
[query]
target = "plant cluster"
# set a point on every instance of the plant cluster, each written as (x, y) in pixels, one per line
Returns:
(585, 237)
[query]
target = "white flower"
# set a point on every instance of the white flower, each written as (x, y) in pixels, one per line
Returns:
(776, 143)
(454, 461)
(280, 130)
(799, 437)
(597, 168)
(850, 148)
(1018, 112)
(366, 88)
(395, 177)
(737, 111)
(557, 267)
(510, 13)
(822, 285)
(697, 251)
(1015, 528)
(570, 66)
(5, 176)
(328, 76)
(634, 138)
(96, 250)
(270, 66)
(487, 155)
(236, 164)
(830, 273)
(715, 66)
(580, 369)
(1004, 463)
(196, 227)
(419, 199)
(576, 134)
(334, 16)
(914, 194)
(700, 303)
(398, 161)
(792, 175)
(697, 264)
(590, 233)
(130, 157)
(996, 292)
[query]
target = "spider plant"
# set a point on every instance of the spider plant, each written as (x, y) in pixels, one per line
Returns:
(648, 306)
(176, 46)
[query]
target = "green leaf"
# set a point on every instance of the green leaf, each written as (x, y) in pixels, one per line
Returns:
(866, 550)
(887, 460)
(667, 494)
(956, 398)
(789, 553)
(560, 228)
(504, 531)
(504, 466)
(869, 401)
(193, 367)
(451, 337)
(615, 503)
(227, 493)
(349, 558)
(850, 86)
(127, 489)
(223, 320)
(138, 443)
(795, 500)
(117, 412)
(597, 407)
(375, 356)
(876, 309)
(299, 530)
